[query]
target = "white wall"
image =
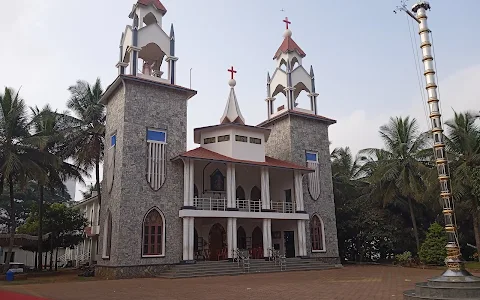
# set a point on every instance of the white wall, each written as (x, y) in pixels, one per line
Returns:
(280, 180)
(28, 257)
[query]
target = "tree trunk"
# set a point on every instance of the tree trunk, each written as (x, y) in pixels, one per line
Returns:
(40, 228)
(414, 223)
(56, 259)
(475, 230)
(45, 263)
(51, 253)
(36, 260)
(97, 175)
(12, 225)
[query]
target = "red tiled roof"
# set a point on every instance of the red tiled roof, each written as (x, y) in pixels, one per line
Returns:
(205, 154)
(156, 3)
(289, 45)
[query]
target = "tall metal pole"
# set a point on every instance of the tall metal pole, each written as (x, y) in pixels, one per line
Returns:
(454, 261)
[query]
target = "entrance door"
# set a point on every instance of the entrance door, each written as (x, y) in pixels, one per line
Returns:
(289, 238)
(217, 240)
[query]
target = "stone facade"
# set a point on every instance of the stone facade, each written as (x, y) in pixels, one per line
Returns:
(135, 106)
(291, 136)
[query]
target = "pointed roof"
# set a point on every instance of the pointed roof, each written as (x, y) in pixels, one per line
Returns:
(156, 3)
(232, 112)
(287, 46)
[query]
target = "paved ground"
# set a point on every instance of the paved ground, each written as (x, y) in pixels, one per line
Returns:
(352, 282)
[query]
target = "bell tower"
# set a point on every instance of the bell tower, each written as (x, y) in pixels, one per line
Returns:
(146, 127)
(301, 136)
(290, 77)
(146, 43)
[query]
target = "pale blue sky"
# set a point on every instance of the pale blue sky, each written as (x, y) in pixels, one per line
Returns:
(360, 51)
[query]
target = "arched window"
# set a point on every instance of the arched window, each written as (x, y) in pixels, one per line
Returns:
(240, 193)
(255, 194)
(107, 236)
(153, 234)
(317, 234)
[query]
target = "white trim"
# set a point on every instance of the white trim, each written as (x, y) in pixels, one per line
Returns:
(323, 234)
(163, 232)
(241, 214)
(153, 256)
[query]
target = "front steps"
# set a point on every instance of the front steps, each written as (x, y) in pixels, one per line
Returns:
(224, 268)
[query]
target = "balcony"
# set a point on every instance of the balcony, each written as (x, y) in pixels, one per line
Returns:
(220, 204)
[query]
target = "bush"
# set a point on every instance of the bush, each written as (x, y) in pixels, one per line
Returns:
(404, 259)
(432, 251)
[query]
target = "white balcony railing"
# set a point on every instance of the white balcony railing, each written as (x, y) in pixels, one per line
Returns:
(284, 207)
(242, 205)
(210, 204)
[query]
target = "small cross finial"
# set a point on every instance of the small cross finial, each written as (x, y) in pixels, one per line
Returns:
(287, 22)
(232, 71)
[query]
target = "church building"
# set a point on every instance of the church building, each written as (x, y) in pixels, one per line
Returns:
(262, 189)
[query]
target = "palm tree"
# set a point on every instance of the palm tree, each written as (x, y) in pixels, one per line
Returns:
(397, 172)
(463, 145)
(20, 161)
(51, 127)
(345, 169)
(86, 141)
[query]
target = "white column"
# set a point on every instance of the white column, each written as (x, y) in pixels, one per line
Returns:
(299, 206)
(191, 170)
(231, 186)
(265, 184)
(230, 237)
(185, 238)
(186, 182)
(267, 236)
(302, 245)
(191, 237)
(234, 235)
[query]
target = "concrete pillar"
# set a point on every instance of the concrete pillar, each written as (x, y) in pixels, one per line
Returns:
(188, 182)
(297, 177)
(191, 237)
(230, 238)
(185, 238)
(265, 188)
(267, 236)
(301, 234)
(231, 186)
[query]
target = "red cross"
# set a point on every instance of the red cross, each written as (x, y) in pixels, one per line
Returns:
(231, 70)
(287, 21)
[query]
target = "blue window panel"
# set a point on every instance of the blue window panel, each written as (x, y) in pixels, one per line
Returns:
(113, 140)
(157, 136)
(311, 156)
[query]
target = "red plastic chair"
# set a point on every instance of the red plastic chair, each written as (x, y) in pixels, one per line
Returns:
(222, 254)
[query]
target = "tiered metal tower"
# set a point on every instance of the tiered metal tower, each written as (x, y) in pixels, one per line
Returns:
(455, 282)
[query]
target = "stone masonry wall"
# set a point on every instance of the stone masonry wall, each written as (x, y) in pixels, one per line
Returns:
(111, 201)
(290, 137)
(147, 106)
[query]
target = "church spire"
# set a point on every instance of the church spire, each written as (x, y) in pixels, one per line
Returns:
(232, 112)
(290, 77)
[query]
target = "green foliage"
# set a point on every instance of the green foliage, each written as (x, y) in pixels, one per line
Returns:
(65, 224)
(404, 259)
(433, 248)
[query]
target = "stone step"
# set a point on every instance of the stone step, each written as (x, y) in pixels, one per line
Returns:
(229, 268)
(425, 289)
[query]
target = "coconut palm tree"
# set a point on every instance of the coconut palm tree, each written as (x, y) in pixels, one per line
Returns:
(51, 127)
(397, 171)
(20, 160)
(345, 169)
(86, 141)
(463, 146)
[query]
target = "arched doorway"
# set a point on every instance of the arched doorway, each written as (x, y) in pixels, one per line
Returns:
(240, 193)
(241, 238)
(217, 239)
(257, 243)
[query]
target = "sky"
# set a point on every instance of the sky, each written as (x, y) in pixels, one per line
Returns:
(361, 53)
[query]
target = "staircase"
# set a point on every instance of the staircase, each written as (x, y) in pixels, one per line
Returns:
(224, 268)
